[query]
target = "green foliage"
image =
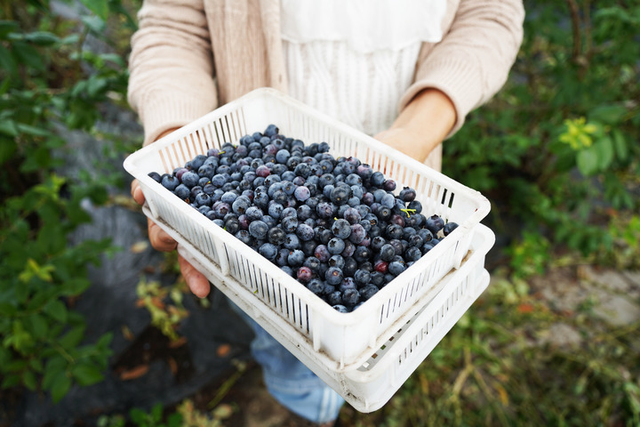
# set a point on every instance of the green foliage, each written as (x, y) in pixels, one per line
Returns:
(155, 418)
(164, 305)
(530, 256)
(185, 415)
(558, 145)
(625, 230)
(43, 89)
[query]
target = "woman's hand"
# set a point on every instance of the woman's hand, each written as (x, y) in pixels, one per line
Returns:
(422, 125)
(161, 241)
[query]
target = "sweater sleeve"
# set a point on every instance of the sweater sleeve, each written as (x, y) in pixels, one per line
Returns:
(473, 60)
(171, 66)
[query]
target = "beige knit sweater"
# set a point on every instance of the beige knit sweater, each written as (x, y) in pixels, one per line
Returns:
(189, 56)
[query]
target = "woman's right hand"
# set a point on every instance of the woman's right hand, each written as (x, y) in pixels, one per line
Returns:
(161, 241)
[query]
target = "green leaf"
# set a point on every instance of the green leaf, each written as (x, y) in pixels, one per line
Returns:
(99, 7)
(565, 161)
(9, 127)
(55, 366)
(156, 412)
(5, 356)
(11, 380)
(94, 23)
(7, 61)
(57, 310)
(51, 238)
(604, 150)
(620, 145)
(7, 309)
(7, 27)
(29, 380)
(632, 393)
(40, 299)
(95, 85)
(19, 339)
(86, 374)
(74, 286)
(587, 161)
(28, 55)
(174, 420)
(32, 130)
(7, 149)
(4, 86)
(104, 340)
(42, 38)
(16, 365)
(138, 416)
(72, 338)
(115, 58)
(71, 39)
(609, 113)
(60, 386)
(39, 325)
(36, 364)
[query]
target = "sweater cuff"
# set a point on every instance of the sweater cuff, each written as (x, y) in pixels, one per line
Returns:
(161, 113)
(459, 80)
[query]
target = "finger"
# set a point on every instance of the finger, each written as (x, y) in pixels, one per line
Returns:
(136, 192)
(159, 238)
(196, 281)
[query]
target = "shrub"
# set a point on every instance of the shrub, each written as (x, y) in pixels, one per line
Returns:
(556, 150)
(44, 91)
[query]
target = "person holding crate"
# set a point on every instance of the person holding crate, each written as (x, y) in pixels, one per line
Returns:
(404, 71)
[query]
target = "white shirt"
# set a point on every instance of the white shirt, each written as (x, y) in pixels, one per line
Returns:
(353, 59)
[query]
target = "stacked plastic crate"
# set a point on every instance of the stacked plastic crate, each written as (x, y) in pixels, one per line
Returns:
(365, 355)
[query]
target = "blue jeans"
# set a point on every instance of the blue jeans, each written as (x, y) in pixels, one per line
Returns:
(288, 380)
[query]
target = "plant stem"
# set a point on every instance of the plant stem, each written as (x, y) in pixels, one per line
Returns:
(63, 352)
(575, 23)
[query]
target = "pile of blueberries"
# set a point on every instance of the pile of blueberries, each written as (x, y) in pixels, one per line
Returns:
(334, 224)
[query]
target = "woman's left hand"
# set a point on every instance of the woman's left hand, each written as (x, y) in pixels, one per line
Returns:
(407, 141)
(422, 125)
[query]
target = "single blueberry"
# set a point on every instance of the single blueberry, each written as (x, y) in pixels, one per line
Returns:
(316, 286)
(295, 258)
(340, 308)
(258, 229)
(368, 291)
(291, 241)
(335, 246)
(341, 228)
(350, 297)
(304, 274)
(434, 224)
(276, 236)
(268, 250)
(305, 232)
(396, 267)
(449, 227)
(155, 176)
(170, 182)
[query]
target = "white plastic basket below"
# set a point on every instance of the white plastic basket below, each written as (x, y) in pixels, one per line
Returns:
(340, 341)
(374, 383)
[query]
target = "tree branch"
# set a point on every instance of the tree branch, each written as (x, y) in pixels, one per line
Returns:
(575, 22)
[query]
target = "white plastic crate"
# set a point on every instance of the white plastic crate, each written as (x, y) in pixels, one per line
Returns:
(374, 383)
(341, 342)
(369, 386)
